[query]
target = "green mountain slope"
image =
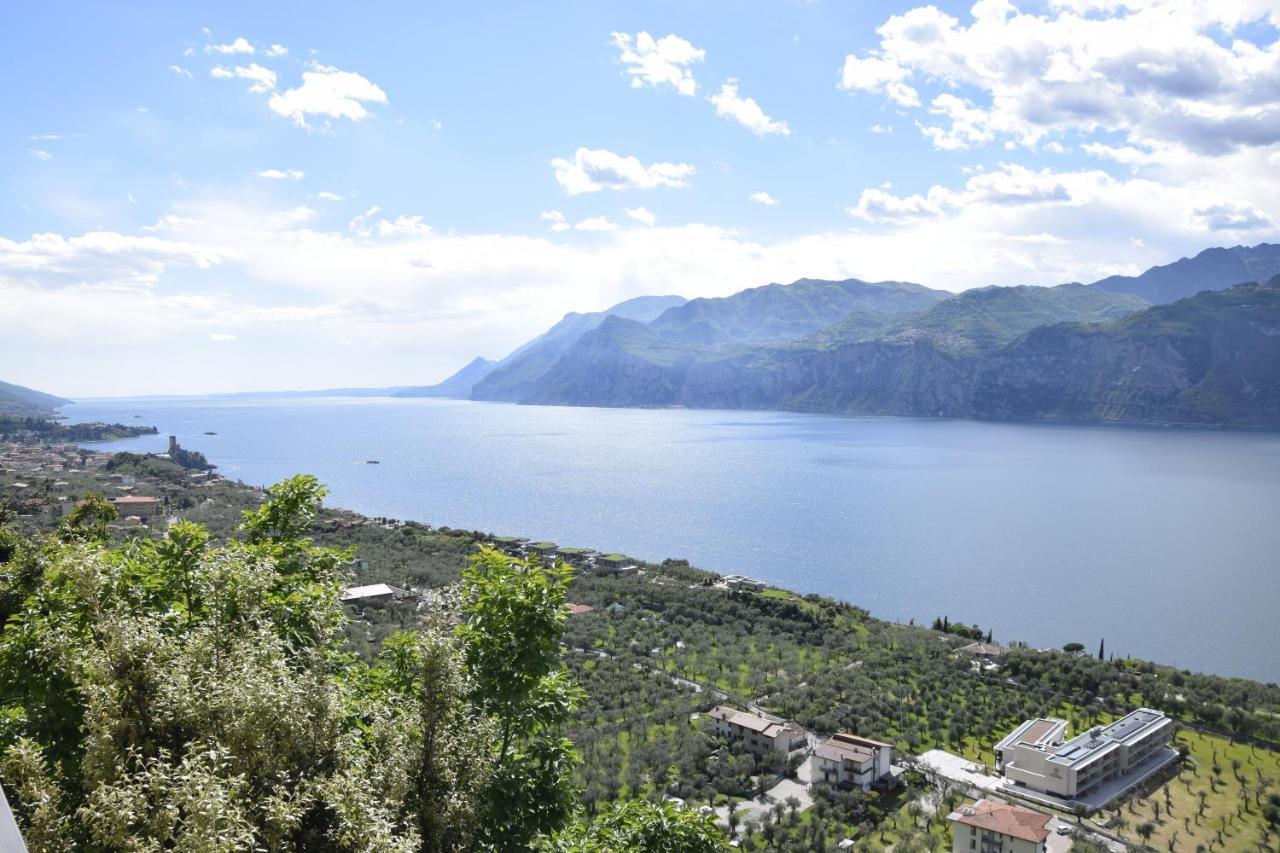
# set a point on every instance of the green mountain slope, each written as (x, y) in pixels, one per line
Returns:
(514, 377)
(777, 312)
(1212, 269)
(1213, 358)
(17, 400)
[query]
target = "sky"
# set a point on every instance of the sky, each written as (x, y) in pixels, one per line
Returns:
(205, 197)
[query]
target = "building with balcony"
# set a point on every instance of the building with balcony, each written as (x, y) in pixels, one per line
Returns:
(1035, 756)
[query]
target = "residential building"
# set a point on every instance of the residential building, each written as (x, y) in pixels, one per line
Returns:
(983, 650)
(756, 733)
(376, 593)
(847, 761)
(576, 556)
(512, 546)
(988, 826)
(738, 582)
(1035, 756)
(143, 507)
(545, 550)
(613, 561)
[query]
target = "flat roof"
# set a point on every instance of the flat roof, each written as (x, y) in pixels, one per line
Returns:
(1096, 743)
(1038, 732)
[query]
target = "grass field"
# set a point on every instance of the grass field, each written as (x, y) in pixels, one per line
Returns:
(1231, 780)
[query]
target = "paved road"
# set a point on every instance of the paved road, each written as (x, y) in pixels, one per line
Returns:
(755, 809)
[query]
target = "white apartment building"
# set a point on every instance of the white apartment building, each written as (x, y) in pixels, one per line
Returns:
(991, 827)
(756, 733)
(1035, 756)
(847, 760)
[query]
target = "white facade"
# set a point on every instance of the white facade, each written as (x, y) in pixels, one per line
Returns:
(988, 826)
(756, 733)
(849, 760)
(1035, 756)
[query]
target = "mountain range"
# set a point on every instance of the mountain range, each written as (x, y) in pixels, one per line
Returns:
(1196, 341)
(15, 400)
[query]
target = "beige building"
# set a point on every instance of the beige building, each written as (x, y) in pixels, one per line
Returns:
(1035, 756)
(142, 507)
(847, 760)
(756, 733)
(991, 827)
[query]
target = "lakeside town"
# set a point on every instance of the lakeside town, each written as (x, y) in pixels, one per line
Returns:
(1047, 783)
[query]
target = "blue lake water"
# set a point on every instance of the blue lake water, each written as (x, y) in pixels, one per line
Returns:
(1166, 543)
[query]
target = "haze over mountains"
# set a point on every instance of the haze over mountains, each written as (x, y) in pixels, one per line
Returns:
(15, 400)
(1141, 349)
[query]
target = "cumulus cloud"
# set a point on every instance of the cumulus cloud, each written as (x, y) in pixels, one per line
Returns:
(281, 174)
(596, 223)
(180, 71)
(1156, 73)
(1233, 216)
(326, 91)
(592, 170)
(1010, 185)
(99, 259)
(40, 154)
(763, 198)
(403, 226)
(874, 74)
(745, 111)
(261, 79)
(658, 62)
(240, 46)
(328, 196)
(881, 128)
(276, 50)
(556, 218)
(641, 215)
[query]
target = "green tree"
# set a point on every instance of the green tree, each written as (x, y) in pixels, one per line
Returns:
(642, 827)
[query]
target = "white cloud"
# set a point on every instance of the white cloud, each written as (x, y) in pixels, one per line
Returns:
(881, 128)
(1233, 216)
(276, 50)
(221, 337)
(327, 196)
(873, 74)
(180, 71)
(763, 198)
(240, 46)
(596, 223)
(592, 170)
(105, 259)
(641, 215)
(658, 62)
(403, 226)
(1010, 185)
(262, 79)
(326, 91)
(281, 174)
(44, 137)
(293, 216)
(40, 154)
(745, 111)
(1154, 73)
(556, 218)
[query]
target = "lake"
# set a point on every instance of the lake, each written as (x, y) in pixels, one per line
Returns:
(1166, 543)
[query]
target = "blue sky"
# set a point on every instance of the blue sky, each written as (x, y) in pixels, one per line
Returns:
(287, 195)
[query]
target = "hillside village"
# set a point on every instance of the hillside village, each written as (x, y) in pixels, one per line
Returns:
(761, 749)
